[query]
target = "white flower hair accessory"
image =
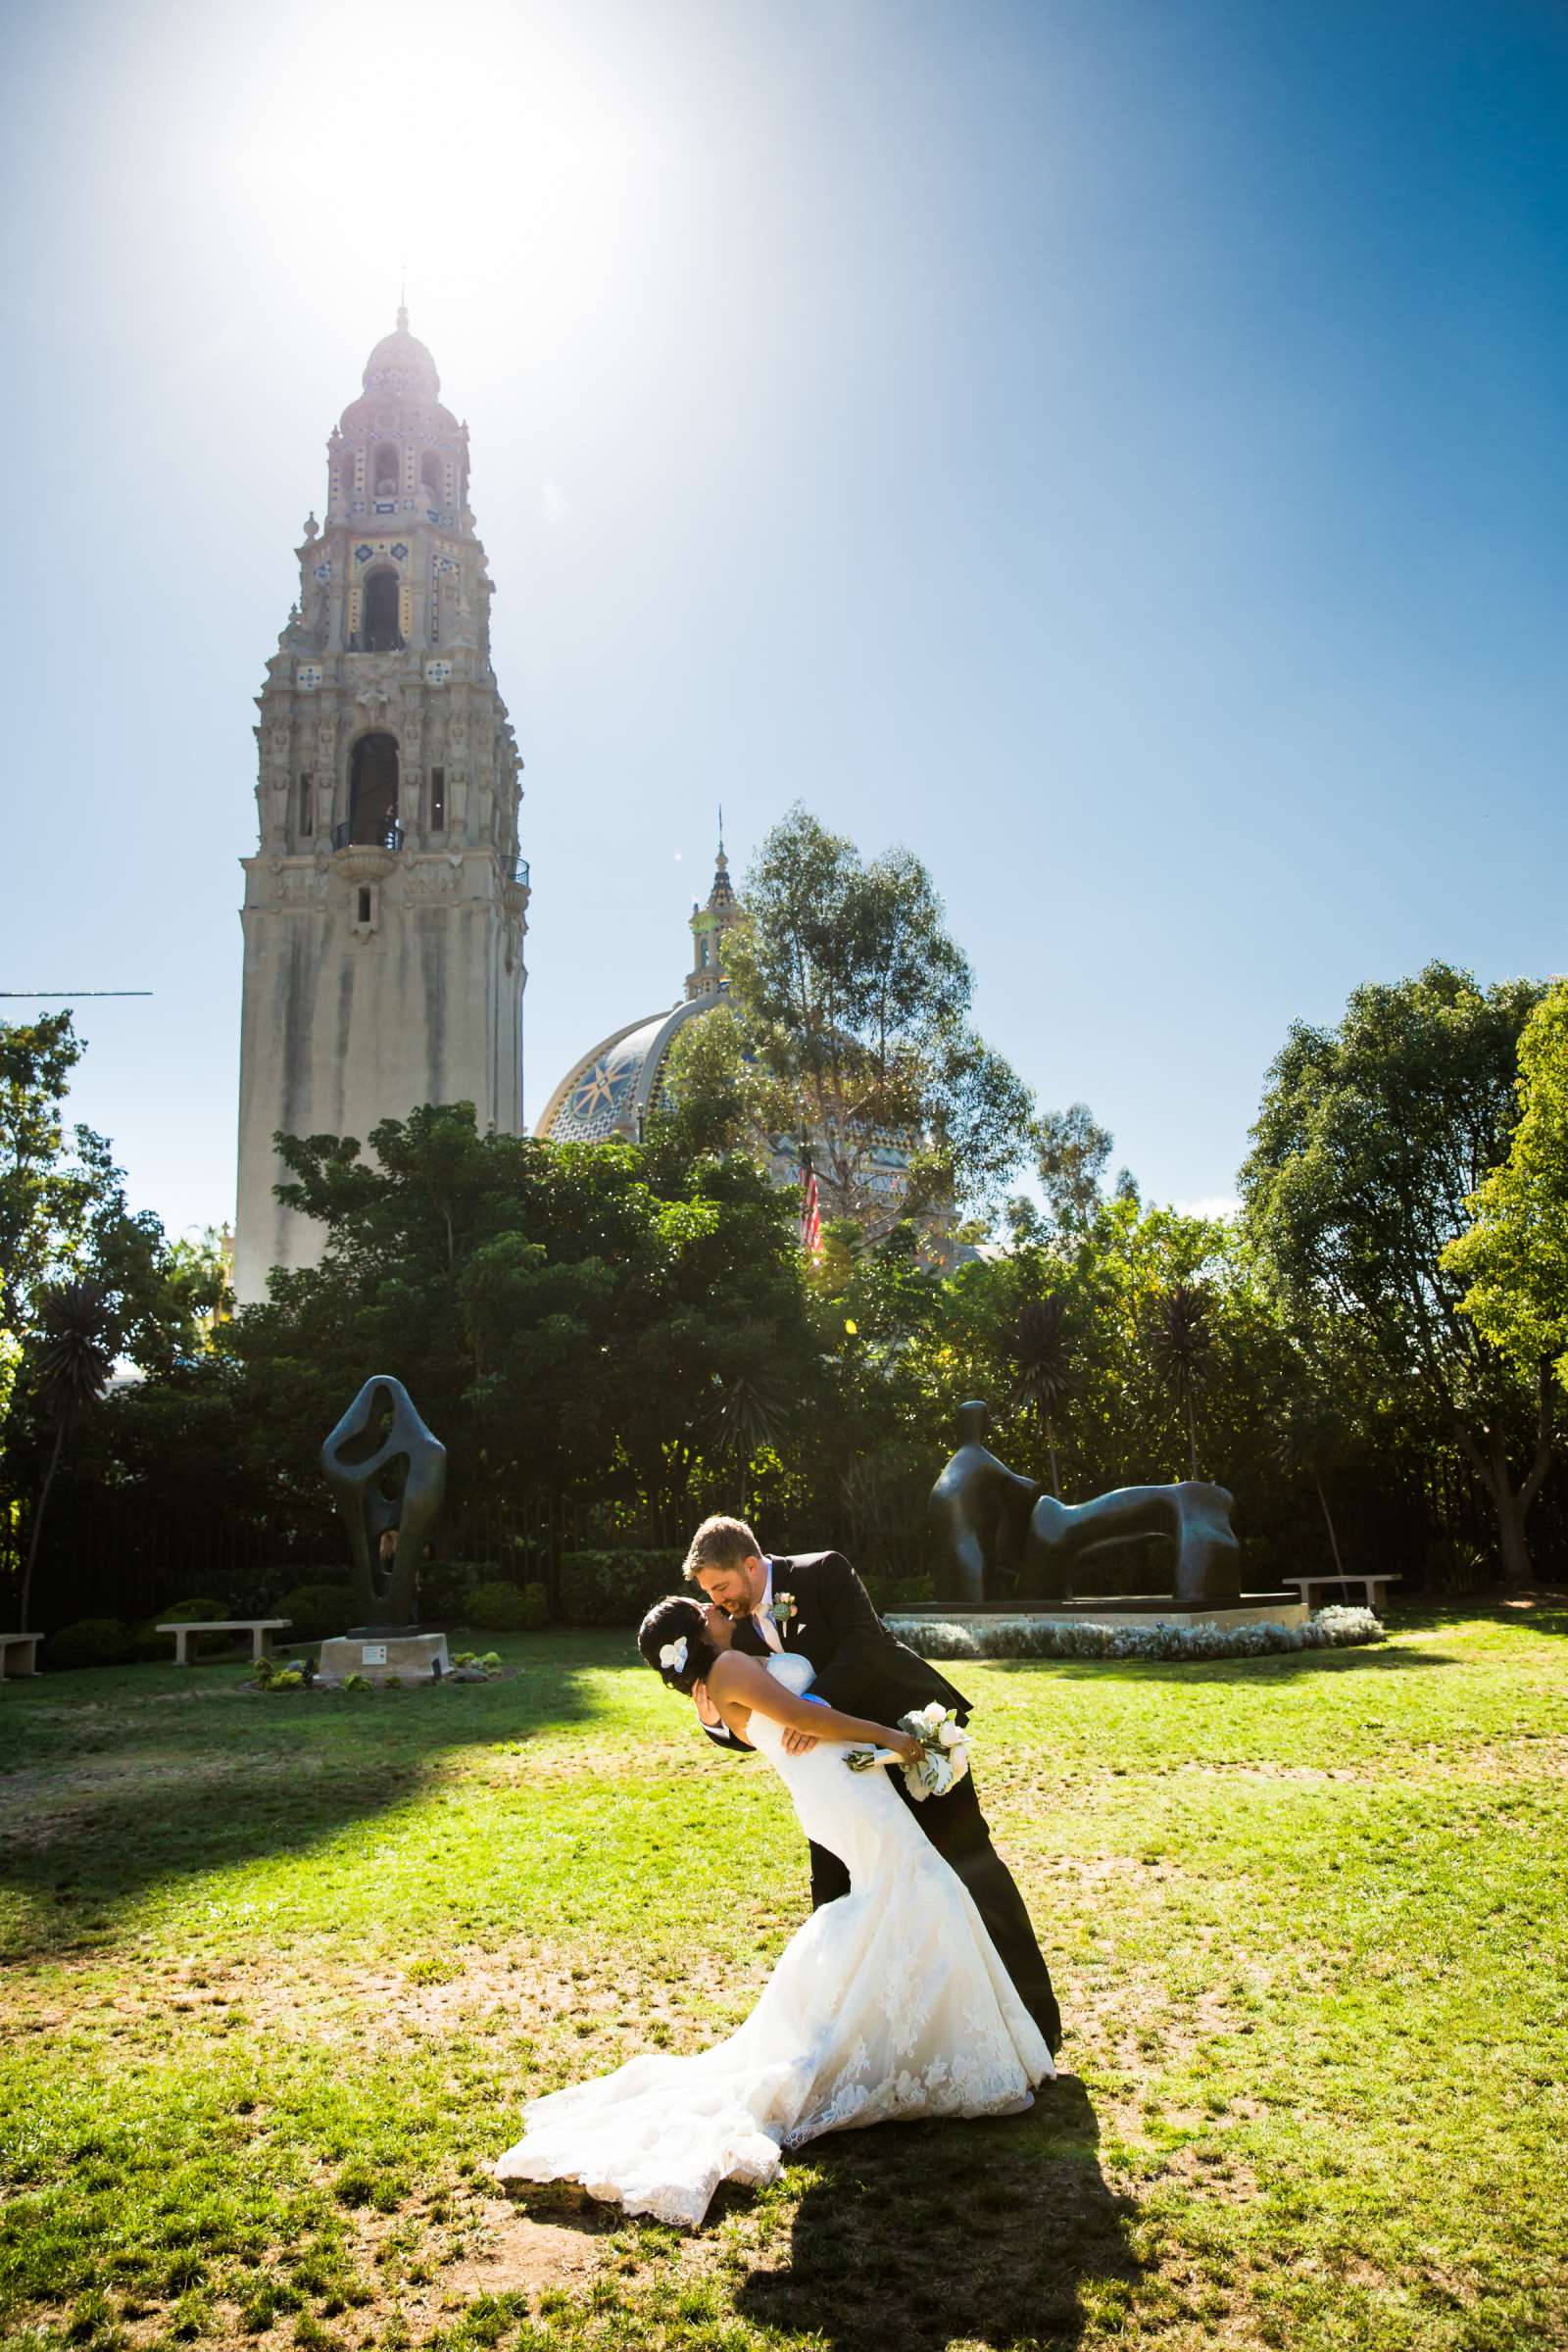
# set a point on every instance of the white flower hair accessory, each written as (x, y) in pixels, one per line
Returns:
(672, 1657)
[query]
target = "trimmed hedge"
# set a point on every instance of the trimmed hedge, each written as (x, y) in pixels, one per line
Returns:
(616, 1588)
(446, 1587)
(91, 1641)
(500, 1608)
(1031, 1637)
(319, 1611)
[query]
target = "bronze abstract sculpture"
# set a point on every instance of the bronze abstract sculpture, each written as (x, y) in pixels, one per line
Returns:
(387, 1474)
(1208, 1558)
(980, 1507)
(987, 1514)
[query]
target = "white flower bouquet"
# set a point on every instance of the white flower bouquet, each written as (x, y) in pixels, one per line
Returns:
(944, 1756)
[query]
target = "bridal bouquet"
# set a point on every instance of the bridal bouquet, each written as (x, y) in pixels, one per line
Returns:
(944, 1756)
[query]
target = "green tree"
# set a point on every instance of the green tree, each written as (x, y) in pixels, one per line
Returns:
(852, 1001)
(63, 1214)
(566, 1316)
(44, 1196)
(708, 1099)
(77, 1341)
(1513, 1262)
(1370, 1139)
(1070, 1153)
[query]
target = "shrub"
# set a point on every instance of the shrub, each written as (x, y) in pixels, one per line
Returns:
(536, 1609)
(91, 1641)
(616, 1588)
(499, 1609)
(319, 1611)
(1037, 1637)
(447, 1588)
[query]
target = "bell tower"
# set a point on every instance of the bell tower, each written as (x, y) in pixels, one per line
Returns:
(385, 907)
(709, 926)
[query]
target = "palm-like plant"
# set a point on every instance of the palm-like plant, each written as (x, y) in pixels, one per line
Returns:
(1045, 1373)
(747, 1414)
(75, 1362)
(1181, 1342)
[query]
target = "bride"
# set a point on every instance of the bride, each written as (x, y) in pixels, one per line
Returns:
(888, 2005)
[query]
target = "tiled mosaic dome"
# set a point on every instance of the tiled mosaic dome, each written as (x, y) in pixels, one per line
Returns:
(613, 1089)
(401, 363)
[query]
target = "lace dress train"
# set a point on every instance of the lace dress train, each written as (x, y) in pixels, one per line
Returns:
(888, 2005)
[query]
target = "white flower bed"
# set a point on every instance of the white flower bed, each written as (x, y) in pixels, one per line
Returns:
(1033, 1638)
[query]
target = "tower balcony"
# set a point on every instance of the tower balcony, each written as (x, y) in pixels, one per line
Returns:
(364, 854)
(514, 882)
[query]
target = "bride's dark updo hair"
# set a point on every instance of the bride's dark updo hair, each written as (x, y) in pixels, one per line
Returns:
(674, 1620)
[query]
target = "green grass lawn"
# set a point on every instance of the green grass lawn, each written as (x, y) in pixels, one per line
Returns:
(280, 1971)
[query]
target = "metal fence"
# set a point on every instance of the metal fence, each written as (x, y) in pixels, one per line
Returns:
(130, 1554)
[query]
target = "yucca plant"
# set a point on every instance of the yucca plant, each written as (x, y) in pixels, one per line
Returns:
(748, 1415)
(1045, 1373)
(1180, 1342)
(75, 1359)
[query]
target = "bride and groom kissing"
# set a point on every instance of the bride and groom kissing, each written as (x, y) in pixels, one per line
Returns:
(916, 1989)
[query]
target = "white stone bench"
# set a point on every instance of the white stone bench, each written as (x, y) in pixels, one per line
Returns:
(19, 1654)
(1376, 1588)
(259, 1629)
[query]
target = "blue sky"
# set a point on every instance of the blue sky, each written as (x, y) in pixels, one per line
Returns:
(1118, 448)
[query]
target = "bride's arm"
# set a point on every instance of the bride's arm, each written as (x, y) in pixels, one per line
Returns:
(736, 1681)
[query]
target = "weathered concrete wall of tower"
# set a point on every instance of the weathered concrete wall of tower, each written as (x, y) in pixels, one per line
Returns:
(348, 1022)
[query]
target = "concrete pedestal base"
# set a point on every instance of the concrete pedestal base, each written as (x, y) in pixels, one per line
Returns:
(384, 1657)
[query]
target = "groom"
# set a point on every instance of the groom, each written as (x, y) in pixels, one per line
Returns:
(816, 1606)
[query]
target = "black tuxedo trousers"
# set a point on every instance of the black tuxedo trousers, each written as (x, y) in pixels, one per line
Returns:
(865, 1670)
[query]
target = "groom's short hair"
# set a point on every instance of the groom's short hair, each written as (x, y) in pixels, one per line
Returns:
(722, 1544)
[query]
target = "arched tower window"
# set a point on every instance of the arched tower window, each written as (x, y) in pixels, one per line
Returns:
(373, 788)
(384, 468)
(379, 632)
(431, 476)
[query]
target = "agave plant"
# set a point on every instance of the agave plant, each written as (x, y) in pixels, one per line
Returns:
(75, 1360)
(1045, 1373)
(1181, 1342)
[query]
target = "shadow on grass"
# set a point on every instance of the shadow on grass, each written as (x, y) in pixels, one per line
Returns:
(110, 1801)
(995, 2233)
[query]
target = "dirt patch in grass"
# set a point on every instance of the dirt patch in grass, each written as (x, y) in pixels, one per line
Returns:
(524, 2252)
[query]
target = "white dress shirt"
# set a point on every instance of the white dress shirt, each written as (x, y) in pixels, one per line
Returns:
(762, 1615)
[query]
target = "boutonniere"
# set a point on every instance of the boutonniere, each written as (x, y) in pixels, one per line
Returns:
(785, 1608)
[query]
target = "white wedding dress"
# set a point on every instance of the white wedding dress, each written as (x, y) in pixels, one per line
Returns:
(888, 2006)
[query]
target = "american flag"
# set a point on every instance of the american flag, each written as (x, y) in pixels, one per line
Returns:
(810, 1214)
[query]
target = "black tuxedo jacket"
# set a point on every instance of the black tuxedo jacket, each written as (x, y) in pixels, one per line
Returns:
(859, 1666)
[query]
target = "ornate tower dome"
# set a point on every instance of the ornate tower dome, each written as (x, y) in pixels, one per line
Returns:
(611, 1090)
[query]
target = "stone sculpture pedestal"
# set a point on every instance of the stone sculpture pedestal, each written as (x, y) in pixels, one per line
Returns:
(390, 1653)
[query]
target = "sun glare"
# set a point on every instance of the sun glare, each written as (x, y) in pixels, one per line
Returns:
(493, 158)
